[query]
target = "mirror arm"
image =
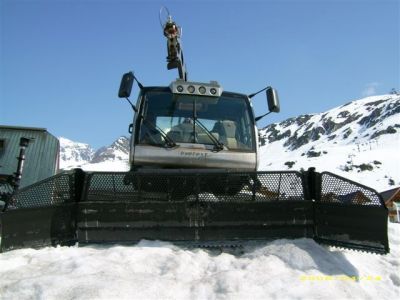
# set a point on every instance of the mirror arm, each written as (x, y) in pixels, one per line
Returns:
(260, 117)
(256, 93)
(133, 106)
(138, 82)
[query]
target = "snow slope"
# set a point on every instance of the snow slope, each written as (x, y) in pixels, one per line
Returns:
(282, 269)
(359, 140)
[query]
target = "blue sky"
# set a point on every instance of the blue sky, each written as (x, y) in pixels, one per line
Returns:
(61, 61)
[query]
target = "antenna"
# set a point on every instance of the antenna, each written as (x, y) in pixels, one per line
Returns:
(173, 33)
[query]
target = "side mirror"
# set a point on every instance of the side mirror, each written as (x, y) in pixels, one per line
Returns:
(126, 85)
(273, 100)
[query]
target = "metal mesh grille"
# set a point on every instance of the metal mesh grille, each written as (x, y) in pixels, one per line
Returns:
(52, 191)
(204, 186)
(337, 189)
(209, 187)
(107, 187)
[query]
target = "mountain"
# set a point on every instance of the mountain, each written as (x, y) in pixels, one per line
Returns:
(358, 140)
(73, 154)
(110, 158)
(119, 150)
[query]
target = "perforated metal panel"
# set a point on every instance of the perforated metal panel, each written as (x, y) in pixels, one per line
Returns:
(55, 190)
(208, 187)
(336, 189)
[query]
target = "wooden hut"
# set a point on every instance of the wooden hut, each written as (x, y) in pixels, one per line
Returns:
(392, 201)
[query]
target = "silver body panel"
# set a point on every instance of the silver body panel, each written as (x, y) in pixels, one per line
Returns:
(193, 156)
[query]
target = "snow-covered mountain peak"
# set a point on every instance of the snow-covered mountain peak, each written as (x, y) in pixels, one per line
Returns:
(358, 121)
(112, 158)
(73, 154)
(118, 150)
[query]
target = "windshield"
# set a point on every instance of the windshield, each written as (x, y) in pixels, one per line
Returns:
(226, 118)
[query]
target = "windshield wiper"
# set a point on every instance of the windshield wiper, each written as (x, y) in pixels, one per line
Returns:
(218, 146)
(169, 142)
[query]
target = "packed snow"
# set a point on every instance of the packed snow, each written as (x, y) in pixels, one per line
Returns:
(281, 269)
(107, 166)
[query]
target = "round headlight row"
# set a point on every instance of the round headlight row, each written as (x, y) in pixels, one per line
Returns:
(191, 89)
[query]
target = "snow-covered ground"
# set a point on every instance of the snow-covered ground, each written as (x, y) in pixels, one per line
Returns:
(107, 166)
(282, 269)
(382, 155)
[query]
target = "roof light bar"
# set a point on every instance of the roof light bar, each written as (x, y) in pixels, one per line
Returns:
(212, 89)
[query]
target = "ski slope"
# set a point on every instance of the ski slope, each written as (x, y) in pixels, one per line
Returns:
(281, 269)
(359, 141)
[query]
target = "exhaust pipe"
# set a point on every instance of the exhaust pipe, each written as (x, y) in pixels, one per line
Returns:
(14, 181)
(23, 144)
